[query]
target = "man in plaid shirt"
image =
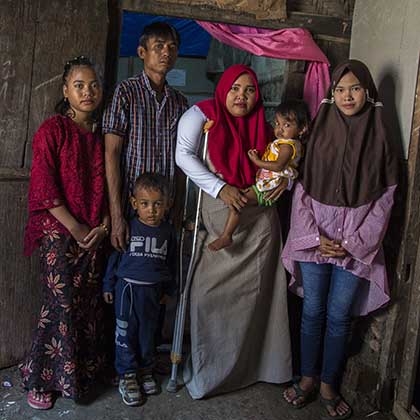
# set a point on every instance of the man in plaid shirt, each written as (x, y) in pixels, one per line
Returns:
(140, 126)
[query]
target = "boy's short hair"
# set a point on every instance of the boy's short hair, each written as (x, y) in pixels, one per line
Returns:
(296, 108)
(149, 181)
(159, 30)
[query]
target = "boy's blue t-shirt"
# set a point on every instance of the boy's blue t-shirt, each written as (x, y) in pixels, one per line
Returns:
(150, 257)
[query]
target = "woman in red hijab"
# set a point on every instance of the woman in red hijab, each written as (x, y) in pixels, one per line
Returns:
(239, 321)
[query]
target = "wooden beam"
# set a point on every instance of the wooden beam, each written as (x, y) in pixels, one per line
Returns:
(400, 412)
(331, 26)
(13, 174)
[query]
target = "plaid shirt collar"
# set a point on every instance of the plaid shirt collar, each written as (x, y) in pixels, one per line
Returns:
(146, 82)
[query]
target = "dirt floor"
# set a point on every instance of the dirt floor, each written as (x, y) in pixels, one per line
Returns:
(258, 402)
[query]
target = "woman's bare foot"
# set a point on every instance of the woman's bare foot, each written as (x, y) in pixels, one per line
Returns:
(220, 243)
(334, 403)
(300, 393)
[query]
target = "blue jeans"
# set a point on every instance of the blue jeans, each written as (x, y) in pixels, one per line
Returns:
(329, 292)
(137, 310)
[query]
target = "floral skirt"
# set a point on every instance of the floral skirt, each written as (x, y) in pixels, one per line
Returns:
(68, 345)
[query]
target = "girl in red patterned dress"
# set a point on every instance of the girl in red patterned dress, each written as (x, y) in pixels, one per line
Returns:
(68, 220)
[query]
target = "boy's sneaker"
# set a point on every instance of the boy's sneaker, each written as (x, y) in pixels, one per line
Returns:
(149, 385)
(130, 390)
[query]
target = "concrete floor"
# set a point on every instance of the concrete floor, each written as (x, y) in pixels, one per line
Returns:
(258, 402)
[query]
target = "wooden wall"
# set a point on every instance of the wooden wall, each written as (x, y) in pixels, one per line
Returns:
(36, 39)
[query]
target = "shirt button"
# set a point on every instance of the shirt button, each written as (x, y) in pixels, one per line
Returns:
(339, 229)
(337, 190)
(345, 242)
(317, 238)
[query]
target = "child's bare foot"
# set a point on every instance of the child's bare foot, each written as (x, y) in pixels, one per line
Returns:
(220, 243)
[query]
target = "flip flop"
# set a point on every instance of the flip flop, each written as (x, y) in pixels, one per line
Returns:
(40, 400)
(333, 404)
(305, 396)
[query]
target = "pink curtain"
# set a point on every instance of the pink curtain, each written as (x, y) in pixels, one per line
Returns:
(289, 44)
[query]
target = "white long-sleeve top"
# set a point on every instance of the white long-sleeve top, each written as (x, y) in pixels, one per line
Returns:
(190, 133)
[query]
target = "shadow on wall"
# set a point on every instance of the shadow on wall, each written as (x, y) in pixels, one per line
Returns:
(394, 237)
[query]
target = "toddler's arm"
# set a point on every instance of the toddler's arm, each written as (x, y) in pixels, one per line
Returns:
(110, 278)
(284, 156)
(108, 297)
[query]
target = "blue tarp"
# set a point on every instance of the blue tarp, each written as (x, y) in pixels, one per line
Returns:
(195, 41)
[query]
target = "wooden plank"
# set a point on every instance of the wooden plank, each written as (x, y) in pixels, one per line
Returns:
(17, 35)
(274, 9)
(60, 37)
(338, 8)
(336, 52)
(339, 27)
(294, 79)
(413, 199)
(411, 258)
(11, 174)
(400, 412)
(113, 45)
(57, 31)
(19, 282)
(408, 373)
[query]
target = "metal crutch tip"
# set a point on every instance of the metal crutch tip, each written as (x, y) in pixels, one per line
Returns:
(172, 386)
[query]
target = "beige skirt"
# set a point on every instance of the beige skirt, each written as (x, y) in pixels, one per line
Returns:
(239, 320)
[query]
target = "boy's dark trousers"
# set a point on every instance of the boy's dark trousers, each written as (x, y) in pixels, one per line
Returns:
(137, 315)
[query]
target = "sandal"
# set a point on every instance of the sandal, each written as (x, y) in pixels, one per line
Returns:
(305, 396)
(40, 400)
(333, 404)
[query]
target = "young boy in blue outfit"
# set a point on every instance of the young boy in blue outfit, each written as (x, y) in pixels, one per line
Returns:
(137, 281)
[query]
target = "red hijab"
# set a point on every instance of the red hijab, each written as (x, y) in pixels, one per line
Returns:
(231, 137)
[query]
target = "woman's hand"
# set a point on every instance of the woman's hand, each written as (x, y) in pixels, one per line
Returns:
(79, 232)
(330, 248)
(275, 193)
(232, 197)
(93, 238)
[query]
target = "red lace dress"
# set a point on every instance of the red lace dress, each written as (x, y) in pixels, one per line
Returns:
(67, 168)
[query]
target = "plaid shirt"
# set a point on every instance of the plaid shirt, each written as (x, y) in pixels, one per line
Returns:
(148, 129)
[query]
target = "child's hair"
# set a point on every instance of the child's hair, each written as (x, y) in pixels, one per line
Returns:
(296, 109)
(159, 30)
(149, 181)
(63, 105)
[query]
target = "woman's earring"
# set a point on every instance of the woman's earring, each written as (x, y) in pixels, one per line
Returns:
(66, 100)
(332, 97)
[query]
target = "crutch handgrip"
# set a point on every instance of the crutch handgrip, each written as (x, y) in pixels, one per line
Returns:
(209, 124)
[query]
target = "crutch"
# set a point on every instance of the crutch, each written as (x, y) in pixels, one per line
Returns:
(176, 353)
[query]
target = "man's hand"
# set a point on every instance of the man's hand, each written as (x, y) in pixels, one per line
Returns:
(120, 234)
